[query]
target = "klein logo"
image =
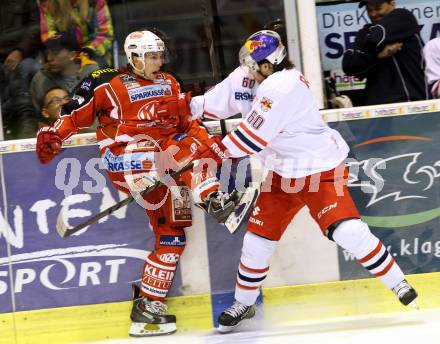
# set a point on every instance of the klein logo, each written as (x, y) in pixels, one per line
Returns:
(326, 209)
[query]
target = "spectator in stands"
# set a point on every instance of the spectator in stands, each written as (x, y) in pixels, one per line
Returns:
(432, 58)
(388, 53)
(64, 69)
(18, 114)
(54, 99)
(89, 20)
(19, 43)
(19, 36)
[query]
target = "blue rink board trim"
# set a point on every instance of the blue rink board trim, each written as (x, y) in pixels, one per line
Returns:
(221, 301)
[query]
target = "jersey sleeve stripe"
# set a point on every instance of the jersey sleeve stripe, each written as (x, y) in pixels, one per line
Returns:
(251, 134)
(238, 145)
(246, 141)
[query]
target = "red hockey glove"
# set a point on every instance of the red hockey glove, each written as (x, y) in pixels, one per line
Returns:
(214, 149)
(48, 144)
(177, 105)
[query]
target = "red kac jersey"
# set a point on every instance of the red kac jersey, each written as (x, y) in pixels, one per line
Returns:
(125, 105)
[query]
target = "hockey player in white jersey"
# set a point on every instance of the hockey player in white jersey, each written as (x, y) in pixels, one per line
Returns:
(232, 96)
(306, 158)
(431, 52)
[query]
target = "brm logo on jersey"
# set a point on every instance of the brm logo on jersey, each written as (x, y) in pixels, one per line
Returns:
(243, 96)
(147, 92)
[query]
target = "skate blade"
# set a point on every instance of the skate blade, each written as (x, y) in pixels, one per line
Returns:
(414, 305)
(147, 330)
(243, 209)
(227, 329)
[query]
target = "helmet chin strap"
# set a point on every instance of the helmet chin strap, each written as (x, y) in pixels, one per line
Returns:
(277, 68)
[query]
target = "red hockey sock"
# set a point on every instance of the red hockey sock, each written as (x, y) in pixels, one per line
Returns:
(157, 278)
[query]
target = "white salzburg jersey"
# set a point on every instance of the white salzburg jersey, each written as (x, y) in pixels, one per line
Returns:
(431, 52)
(285, 129)
(231, 96)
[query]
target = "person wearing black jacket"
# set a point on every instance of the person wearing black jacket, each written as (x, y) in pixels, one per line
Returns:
(18, 114)
(389, 54)
(19, 36)
(19, 45)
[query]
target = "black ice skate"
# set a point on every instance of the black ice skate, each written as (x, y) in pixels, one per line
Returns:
(230, 209)
(234, 315)
(149, 317)
(406, 294)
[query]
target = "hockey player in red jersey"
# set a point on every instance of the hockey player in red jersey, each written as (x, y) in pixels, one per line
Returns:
(284, 127)
(145, 129)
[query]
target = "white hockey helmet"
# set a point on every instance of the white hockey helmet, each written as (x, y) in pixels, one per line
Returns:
(262, 45)
(140, 43)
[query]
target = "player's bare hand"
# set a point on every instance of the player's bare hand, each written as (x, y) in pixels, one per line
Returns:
(389, 50)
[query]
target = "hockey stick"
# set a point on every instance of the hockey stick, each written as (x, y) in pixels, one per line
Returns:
(64, 230)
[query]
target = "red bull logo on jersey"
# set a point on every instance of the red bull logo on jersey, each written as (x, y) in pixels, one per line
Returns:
(251, 46)
(266, 104)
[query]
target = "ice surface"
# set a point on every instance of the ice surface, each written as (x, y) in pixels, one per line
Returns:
(415, 327)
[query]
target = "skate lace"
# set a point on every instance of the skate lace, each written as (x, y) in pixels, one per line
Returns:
(224, 197)
(155, 307)
(401, 289)
(221, 197)
(237, 309)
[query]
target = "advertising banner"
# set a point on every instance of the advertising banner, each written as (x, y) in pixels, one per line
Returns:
(96, 266)
(395, 181)
(338, 25)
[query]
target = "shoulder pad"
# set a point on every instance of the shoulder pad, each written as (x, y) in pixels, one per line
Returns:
(104, 75)
(85, 90)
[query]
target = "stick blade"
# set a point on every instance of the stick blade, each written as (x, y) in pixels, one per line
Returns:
(242, 210)
(62, 227)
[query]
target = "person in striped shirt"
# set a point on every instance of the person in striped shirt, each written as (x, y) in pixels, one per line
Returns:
(89, 20)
